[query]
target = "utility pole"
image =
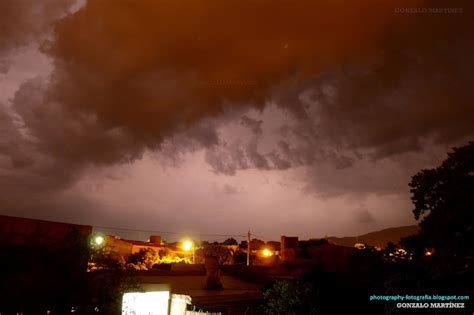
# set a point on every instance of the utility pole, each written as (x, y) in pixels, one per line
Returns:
(248, 248)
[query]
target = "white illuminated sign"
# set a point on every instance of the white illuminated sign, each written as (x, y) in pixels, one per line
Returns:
(145, 303)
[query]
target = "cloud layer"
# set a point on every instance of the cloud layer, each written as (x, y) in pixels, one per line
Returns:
(352, 99)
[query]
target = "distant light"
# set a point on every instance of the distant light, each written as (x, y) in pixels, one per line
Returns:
(267, 253)
(359, 245)
(99, 240)
(402, 251)
(428, 253)
(187, 245)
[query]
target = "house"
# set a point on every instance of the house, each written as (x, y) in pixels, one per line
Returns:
(330, 257)
(122, 248)
(15, 231)
(288, 248)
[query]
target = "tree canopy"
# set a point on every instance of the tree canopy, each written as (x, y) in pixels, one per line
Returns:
(231, 241)
(444, 203)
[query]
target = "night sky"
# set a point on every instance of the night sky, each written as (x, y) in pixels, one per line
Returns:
(195, 117)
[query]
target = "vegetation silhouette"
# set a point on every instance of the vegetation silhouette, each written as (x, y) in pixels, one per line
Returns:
(437, 260)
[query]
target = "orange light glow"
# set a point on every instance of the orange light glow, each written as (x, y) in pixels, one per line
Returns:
(187, 245)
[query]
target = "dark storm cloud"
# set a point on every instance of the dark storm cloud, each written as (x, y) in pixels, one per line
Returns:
(23, 21)
(254, 125)
(23, 169)
(360, 82)
(416, 88)
(28, 179)
(26, 175)
(131, 73)
(8, 134)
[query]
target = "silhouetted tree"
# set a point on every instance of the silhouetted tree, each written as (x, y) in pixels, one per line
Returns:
(256, 244)
(222, 253)
(444, 202)
(290, 298)
(143, 259)
(442, 251)
(319, 292)
(230, 241)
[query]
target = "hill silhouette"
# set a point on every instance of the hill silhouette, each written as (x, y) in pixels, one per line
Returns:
(377, 238)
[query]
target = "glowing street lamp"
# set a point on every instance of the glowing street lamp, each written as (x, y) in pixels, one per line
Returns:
(189, 245)
(99, 240)
(267, 252)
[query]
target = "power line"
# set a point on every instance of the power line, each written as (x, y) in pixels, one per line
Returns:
(163, 232)
(261, 236)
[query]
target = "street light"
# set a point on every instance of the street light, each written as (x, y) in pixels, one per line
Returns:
(189, 245)
(267, 252)
(99, 240)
